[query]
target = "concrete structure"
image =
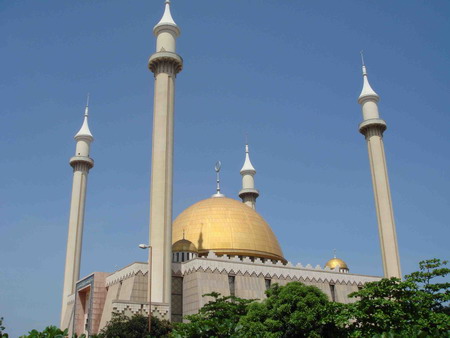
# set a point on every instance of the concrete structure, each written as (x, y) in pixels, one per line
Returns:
(81, 163)
(372, 128)
(164, 64)
(248, 194)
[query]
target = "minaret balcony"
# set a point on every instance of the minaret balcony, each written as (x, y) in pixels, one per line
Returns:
(84, 161)
(164, 57)
(248, 191)
(370, 123)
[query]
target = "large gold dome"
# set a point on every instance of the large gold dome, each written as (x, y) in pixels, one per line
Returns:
(226, 226)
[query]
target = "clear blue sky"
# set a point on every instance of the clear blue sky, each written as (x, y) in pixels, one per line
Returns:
(285, 72)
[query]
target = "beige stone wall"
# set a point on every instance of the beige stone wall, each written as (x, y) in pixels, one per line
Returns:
(343, 290)
(177, 299)
(323, 286)
(126, 290)
(139, 291)
(112, 293)
(250, 286)
(198, 283)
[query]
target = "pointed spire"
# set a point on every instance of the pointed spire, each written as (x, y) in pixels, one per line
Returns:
(367, 91)
(84, 131)
(86, 110)
(247, 168)
(166, 20)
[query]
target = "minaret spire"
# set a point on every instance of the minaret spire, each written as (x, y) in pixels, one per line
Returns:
(86, 111)
(81, 164)
(84, 131)
(248, 194)
(373, 128)
(367, 92)
(165, 64)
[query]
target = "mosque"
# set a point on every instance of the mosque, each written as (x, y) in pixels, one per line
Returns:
(218, 244)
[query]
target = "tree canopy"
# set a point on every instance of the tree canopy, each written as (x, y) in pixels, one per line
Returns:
(294, 310)
(418, 303)
(218, 318)
(122, 326)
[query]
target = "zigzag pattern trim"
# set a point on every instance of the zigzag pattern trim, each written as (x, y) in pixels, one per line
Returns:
(258, 268)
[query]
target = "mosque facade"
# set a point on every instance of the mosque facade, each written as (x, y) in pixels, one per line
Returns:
(219, 244)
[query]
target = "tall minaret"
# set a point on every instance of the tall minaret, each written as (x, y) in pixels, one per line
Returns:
(248, 194)
(81, 163)
(372, 128)
(164, 64)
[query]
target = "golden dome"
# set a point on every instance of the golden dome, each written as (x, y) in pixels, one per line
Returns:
(183, 245)
(226, 226)
(334, 262)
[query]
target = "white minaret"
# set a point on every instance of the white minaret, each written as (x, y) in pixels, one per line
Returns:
(248, 194)
(164, 64)
(81, 163)
(372, 128)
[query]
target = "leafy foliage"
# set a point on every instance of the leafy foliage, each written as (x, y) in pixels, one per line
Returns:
(122, 326)
(406, 307)
(49, 332)
(293, 310)
(218, 318)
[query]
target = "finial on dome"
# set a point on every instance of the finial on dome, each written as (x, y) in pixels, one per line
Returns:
(367, 91)
(334, 253)
(217, 169)
(247, 168)
(84, 131)
(166, 19)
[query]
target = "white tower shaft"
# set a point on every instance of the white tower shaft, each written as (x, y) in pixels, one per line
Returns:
(165, 64)
(372, 128)
(81, 164)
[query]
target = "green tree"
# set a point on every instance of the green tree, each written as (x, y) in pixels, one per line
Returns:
(218, 318)
(2, 328)
(416, 305)
(293, 310)
(122, 326)
(49, 332)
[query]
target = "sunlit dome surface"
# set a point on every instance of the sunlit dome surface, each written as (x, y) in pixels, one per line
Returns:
(226, 226)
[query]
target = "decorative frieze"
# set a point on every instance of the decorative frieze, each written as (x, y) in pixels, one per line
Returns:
(236, 266)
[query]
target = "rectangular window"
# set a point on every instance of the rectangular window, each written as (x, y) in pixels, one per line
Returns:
(333, 294)
(268, 282)
(231, 280)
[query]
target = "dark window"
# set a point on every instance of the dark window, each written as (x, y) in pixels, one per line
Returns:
(268, 282)
(333, 294)
(231, 283)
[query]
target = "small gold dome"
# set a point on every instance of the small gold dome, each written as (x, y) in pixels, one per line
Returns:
(183, 245)
(334, 262)
(226, 226)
